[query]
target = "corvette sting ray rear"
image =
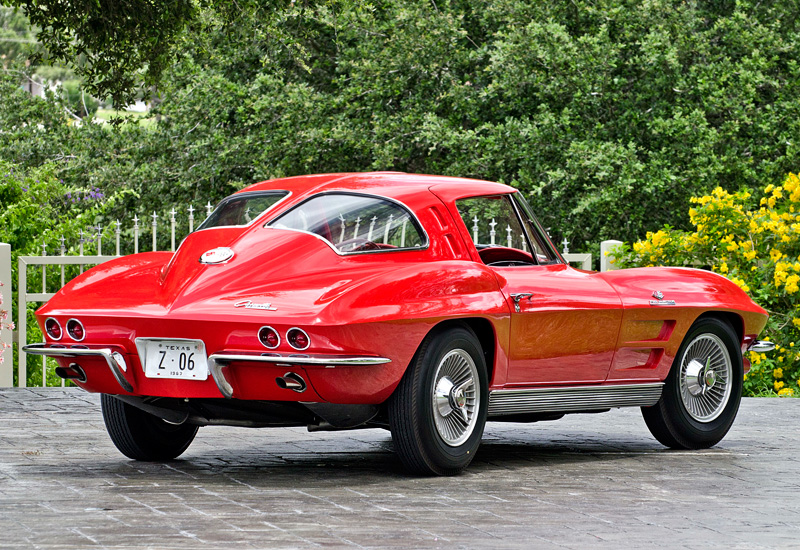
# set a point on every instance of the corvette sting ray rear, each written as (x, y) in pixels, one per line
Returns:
(421, 304)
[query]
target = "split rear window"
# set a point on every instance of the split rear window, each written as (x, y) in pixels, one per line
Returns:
(354, 223)
(242, 208)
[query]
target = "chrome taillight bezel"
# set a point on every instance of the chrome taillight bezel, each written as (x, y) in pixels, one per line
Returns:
(69, 332)
(275, 332)
(291, 343)
(60, 329)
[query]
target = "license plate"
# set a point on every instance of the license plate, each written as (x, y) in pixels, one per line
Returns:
(181, 359)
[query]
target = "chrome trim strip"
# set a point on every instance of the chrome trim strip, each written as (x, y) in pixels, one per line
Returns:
(572, 399)
(316, 360)
(762, 346)
(105, 353)
(218, 360)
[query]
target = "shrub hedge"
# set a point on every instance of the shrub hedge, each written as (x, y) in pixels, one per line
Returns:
(609, 114)
(756, 244)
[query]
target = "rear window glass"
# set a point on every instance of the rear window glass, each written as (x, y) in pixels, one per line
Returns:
(355, 223)
(242, 209)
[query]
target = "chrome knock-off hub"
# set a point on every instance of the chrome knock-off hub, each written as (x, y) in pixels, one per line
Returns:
(456, 396)
(705, 377)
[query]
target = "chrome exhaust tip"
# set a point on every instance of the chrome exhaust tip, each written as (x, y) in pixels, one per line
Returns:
(73, 372)
(291, 381)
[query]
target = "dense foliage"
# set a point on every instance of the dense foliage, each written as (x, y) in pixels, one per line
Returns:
(122, 41)
(610, 114)
(756, 244)
(39, 208)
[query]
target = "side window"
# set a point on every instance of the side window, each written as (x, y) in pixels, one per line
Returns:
(544, 248)
(498, 234)
(355, 223)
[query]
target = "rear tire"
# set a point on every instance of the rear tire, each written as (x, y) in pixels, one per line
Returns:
(702, 391)
(142, 436)
(438, 412)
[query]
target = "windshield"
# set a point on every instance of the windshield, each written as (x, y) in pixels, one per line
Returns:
(242, 208)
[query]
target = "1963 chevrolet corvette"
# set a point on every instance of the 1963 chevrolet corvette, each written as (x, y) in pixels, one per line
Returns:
(422, 304)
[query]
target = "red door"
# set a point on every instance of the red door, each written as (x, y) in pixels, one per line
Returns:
(564, 325)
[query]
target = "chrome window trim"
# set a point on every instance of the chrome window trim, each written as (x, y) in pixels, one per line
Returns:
(424, 246)
(525, 227)
(244, 194)
(557, 259)
(515, 198)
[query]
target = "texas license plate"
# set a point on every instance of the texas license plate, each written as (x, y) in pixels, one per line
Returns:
(182, 359)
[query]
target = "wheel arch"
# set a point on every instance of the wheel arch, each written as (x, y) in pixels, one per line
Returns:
(733, 319)
(482, 329)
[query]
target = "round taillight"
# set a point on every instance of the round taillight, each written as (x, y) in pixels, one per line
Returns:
(53, 328)
(75, 330)
(298, 338)
(269, 337)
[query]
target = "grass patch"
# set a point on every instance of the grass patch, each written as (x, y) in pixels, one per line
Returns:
(141, 118)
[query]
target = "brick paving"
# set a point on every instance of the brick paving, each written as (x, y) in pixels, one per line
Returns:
(586, 481)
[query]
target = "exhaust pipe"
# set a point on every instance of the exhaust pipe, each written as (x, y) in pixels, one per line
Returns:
(291, 381)
(72, 372)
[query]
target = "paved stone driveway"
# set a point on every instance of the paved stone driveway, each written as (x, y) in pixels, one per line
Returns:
(586, 481)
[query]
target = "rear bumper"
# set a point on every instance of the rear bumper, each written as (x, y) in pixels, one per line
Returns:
(236, 374)
(73, 352)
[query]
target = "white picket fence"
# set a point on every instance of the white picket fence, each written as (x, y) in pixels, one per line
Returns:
(96, 238)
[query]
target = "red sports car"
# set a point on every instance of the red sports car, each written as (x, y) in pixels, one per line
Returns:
(422, 304)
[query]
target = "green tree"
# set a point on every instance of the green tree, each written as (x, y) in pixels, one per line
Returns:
(17, 40)
(609, 114)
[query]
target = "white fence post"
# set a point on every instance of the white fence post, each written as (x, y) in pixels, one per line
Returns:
(22, 322)
(607, 262)
(584, 259)
(6, 335)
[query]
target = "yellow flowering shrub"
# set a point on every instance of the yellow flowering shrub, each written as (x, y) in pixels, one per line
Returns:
(757, 246)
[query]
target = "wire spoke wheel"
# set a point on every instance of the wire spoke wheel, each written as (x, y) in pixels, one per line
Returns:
(702, 392)
(438, 411)
(705, 377)
(455, 397)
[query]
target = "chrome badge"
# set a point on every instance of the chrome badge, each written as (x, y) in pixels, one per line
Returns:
(216, 256)
(660, 301)
(249, 304)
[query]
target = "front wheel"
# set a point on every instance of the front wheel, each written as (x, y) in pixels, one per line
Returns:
(142, 436)
(702, 392)
(438, 412)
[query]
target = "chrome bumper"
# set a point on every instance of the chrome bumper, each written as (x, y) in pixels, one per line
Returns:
(105, 353)
(762, 346)
(218, 360)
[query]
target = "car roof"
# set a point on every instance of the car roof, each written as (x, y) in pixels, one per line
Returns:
(395, 185)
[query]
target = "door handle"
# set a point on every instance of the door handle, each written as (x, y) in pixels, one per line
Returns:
(517, 296)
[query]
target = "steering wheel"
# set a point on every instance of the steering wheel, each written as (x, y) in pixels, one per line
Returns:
(358, 244)
(499, 256)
